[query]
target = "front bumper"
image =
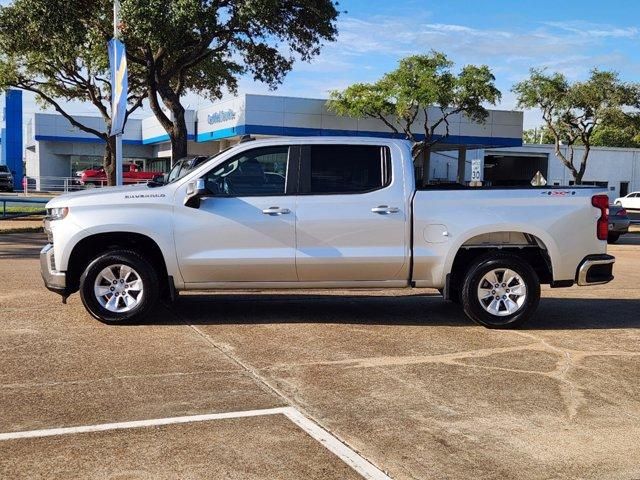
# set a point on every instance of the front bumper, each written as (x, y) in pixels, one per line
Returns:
(595, 270)
(53, 280)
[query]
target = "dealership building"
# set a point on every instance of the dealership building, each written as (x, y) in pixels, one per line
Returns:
(615, 169)
(54, 149)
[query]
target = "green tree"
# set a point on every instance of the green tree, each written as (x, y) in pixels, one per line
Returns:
(537, 135)
(405, 99)
(621, 129)
(203, 46)
(573, 113)
(57, 50)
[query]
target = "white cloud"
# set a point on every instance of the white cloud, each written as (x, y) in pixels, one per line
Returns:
(401, 36)
(589, 29)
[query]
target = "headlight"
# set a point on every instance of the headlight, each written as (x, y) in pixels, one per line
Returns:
(57, 213)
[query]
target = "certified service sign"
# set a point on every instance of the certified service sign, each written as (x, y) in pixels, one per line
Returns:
(221, 116)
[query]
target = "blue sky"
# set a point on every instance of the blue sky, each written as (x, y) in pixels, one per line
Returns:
(510, 36)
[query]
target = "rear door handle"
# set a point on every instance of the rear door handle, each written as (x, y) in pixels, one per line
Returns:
(385, 209)
(276, 211)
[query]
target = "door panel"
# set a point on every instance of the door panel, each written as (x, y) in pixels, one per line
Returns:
(231, 239)
(245, 230)
(349, 236)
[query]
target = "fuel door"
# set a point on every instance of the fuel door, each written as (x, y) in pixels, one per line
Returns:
(436, 233)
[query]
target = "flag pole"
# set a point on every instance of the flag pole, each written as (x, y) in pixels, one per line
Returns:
(118, 139)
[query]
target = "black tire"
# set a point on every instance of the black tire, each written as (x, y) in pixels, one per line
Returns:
(613, 237)
(472, 305)
(148, 277)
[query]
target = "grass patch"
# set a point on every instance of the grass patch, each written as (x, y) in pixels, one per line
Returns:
(23, 209)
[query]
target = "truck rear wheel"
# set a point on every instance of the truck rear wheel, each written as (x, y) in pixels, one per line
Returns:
(500, 291)
(119, 286)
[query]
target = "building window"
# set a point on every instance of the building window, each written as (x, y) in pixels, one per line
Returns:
(79, 163)
(591, 183)
(624, 189)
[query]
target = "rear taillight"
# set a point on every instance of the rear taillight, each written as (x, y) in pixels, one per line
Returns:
(602, 202)
(622, 213)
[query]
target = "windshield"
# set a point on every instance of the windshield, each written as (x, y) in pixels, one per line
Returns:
(184, 166)
(174, 174)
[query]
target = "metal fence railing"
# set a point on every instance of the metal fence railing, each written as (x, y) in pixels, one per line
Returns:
(22, 207)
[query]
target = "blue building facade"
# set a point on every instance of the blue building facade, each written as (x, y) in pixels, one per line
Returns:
(11, 136)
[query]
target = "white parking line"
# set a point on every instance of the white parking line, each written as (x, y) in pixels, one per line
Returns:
(346, 454)
(335, 446)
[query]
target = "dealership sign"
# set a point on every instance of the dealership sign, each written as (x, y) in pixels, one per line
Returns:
(221, 116)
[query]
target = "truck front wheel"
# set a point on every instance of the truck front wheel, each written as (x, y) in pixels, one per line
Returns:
(500, 291)
(119, 286)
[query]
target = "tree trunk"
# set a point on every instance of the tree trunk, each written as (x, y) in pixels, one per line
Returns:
(178, 129)
(178, 136)
(109, 160)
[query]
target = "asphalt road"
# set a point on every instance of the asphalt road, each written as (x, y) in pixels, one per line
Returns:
(404, 379)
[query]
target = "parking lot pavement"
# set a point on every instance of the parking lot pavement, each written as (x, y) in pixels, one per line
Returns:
(402, 377)
(251, 448)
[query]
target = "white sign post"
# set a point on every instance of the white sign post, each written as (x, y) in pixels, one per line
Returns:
(476, 172)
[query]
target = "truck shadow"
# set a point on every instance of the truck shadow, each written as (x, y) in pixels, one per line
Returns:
(418, 310)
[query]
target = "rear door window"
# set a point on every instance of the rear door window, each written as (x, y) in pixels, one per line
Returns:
(344, 169)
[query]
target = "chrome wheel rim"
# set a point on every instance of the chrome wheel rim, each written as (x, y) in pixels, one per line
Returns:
(502, 292)
(118, 288)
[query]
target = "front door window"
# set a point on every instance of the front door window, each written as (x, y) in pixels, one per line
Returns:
(260, 172)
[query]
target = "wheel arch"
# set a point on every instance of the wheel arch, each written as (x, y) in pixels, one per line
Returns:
(535, 247)
(95, 244)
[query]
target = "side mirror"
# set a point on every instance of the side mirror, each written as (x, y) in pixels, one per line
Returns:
(195, 191)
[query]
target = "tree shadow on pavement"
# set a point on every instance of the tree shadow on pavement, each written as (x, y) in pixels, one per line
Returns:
(21, 245)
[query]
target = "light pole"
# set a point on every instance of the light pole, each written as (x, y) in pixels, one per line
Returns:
(118, 89)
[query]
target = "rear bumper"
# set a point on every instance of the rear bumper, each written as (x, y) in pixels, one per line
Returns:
(53, 280)
(619, 227)
(595, 270)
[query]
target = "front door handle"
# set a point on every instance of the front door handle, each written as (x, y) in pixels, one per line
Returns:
(385, 210)
(276, 211)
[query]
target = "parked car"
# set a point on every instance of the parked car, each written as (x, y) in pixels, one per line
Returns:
(180, 169)
(629, 202)
(348, 215)
(618, 223)
(131, 173)
(6, 179)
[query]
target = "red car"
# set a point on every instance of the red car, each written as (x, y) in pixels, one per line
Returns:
(131, 173)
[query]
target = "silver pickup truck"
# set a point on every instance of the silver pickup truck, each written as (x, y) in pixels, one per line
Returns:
(323, 212)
